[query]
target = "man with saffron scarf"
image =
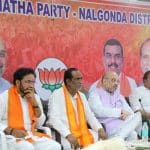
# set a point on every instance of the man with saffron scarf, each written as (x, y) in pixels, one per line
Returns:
(21, 112)
(69, 114)
(112, 110)
(113, 61)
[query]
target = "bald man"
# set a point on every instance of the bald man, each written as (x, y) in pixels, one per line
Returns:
(4, 84)
(112, 110)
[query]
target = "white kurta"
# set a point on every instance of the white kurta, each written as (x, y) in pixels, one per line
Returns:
(58, 116)
(140, 99)
(4, 85)
(24, 145)
(126, 129)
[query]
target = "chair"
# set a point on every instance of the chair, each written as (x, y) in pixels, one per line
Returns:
(56, 133)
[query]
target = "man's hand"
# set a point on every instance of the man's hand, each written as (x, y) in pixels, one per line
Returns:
(124, 114)
(19, 133)
(15, 132)
(29, 94)
(145, 115)
(73, 141)
(102, 134)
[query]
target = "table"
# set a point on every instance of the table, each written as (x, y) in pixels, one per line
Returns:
(138, 145)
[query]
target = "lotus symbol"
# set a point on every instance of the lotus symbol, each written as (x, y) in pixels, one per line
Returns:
(51, 80)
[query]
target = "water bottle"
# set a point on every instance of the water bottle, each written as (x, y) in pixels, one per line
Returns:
(145, 132)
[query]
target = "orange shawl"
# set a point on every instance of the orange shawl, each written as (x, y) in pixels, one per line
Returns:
(15, 114)
(125, 88)
(78, 128)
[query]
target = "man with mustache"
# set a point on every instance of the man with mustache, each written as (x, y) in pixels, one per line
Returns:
(113, 61)
(112, 110)
(69, 114)
(4, 84)
(21, 113)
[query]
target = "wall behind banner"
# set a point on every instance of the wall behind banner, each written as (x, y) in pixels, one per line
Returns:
(73, 32)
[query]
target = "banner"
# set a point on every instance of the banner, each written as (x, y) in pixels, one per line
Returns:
(66, 33)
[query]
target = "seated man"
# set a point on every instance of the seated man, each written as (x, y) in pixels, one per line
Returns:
(140, 98)
(69, 114)
(112, 110)
(21, 111)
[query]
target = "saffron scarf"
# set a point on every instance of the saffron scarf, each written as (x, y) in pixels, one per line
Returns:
(125, 88)
(15, 109)
(78, 128)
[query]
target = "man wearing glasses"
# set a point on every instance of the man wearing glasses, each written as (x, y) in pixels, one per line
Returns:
(21, 102)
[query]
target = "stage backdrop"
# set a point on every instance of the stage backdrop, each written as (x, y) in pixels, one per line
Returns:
(51, 35)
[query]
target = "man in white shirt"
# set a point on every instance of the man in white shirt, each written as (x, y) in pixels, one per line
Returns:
(4, 84)
(21, 112)
(69, 114)
(140, 98)
(113, 61)
(112, 110)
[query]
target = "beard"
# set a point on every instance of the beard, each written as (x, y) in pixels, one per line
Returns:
(22, 90)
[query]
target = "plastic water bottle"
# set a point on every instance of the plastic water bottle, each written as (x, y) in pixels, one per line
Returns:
(145, 132)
